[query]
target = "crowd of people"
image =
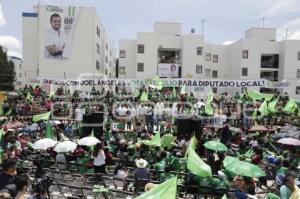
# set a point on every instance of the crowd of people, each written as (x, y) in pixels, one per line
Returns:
(127, 144)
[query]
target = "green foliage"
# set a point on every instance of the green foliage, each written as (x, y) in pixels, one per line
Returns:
(7, 72)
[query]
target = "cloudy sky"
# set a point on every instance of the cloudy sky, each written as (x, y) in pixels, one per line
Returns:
(226, 20)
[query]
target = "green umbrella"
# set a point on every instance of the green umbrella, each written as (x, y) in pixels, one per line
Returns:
(245, 169)
(215, 146)
(229, 160)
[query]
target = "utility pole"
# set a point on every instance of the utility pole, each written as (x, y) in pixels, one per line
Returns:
(286, 33)
(263, 21)
(202, 26)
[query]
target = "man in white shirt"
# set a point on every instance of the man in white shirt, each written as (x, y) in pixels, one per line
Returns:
(141, 113)
(54, 39)
(158, 113)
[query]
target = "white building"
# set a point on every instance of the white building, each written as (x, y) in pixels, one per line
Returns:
(256, 56)
(84, 39)
(18, 69)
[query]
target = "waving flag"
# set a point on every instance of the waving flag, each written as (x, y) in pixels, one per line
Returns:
(43, 116)
(196, 165)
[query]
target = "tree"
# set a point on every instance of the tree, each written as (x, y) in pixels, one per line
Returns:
(7, 72)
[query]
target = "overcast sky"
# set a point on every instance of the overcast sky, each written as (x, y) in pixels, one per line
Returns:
(226, 20)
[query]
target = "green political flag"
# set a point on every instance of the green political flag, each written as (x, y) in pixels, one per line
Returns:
(167, 140)
(29, 97)
(209, 110)
(8, 112)
(43, 116)
(193, 145)
(1, 109)
(51, 94)
(49, 131)
(2, 132)
(136, 92)
(224, 196)
(174, 95)
(272, 105)
(158, 84)
(155, 141)
(196, 165)
(165, 190)
(263, 109)
(290, 106)
(253, 94)
(144, 97)
(182, 90)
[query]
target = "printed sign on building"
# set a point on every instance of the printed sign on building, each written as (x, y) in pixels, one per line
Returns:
(168, 70)
(60, 27)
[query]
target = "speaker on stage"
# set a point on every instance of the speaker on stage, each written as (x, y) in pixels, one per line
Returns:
(184, 125)
(94, 122)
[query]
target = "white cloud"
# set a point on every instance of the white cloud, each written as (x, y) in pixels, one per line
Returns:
(290, 30)
(281, 7)
(10, 42)
(2, 19)
(228, 42)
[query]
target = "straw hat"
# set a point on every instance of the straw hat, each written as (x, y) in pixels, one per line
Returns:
(141, 163)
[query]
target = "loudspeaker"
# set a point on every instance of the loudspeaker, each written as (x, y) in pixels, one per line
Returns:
(93, 122)
(197, 128)
(184, 125)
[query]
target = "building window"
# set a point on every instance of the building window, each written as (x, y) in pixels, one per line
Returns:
(98, 32)
(245, 54)
(298, 56)
(20, 75)
(110, 53)
(97, 65)
(20, 66)
(215, 58)
(244, 71)
(106, 46)
(122, 54)
(106, 59)
(141, 48)
(199, 50)
(106, 72)
(214, 74)
(298, 73)
(140, 67)
(122, 70)
(98, 48)
(198, 69)
(207, 72)
(207, 57)
(297, 90)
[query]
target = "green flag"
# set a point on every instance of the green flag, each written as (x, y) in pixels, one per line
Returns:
(291, 106)
(157, 83)
(49, 131)
(272, 105)
(256, 95)
(1, 109)
(209, 110)
(136, 92)
(165, 190)
(174, 95)
(8, 112)
(193, 145)
(196, 165)
(29, 97)
(144, 97)
(263, 109)
(51, 94)
(155, 141)
(224, 196)
(182, 90)
(167, 140)
(43, 116)
(2, 132)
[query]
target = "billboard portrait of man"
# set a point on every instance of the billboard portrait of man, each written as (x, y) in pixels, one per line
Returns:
(54, 38)
(173, 70)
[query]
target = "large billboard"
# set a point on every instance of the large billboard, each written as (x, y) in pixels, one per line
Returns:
(59, 30)
(168, 70)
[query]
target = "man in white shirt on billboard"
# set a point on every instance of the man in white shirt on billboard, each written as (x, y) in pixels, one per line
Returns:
(55, 38)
